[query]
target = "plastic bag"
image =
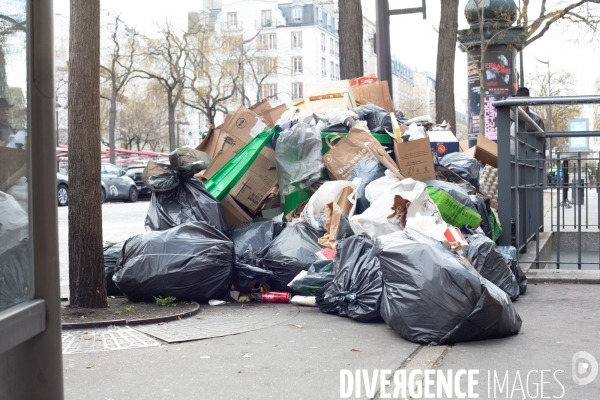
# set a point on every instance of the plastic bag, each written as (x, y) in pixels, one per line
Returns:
(415, 132)
(315, 210)
(337, 225)
(464, 166)
(482, 210)
(512, 260)
(375, 189)
(14, 223)
(378, 120)
(355, 291)
(291, 252)
(16, 278)
(431, 295)
(455, 212)
(489, 262)
(368, 171)
(247, 277)
(298, 157)
(318, 275)
(20, 191)
(386, 216)
(178, 197)
(192, 261)
(111, 256)
(255, 235)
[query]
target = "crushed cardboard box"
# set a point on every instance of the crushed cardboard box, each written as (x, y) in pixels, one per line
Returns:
(414, 159)
(485, 151)
(377, 93)
(443, 142)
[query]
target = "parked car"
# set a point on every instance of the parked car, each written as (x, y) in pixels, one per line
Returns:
(116, 185)
(62, 189)
(135, 172)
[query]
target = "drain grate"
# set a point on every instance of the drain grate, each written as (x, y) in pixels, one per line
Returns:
(105, 339)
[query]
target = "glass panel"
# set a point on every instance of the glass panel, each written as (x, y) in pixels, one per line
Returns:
(16, 268)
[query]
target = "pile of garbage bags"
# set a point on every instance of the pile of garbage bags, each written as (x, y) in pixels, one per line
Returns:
(322, 202)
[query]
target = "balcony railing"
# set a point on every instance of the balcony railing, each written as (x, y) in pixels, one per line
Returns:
(227, 26)
(269, 23)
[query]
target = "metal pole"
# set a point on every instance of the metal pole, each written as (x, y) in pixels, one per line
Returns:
(177, 144)
(382, 44)
(549, 94)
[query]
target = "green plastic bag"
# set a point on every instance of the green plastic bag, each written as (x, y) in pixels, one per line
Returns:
(452, 211)
(229, 175)
(495, 224)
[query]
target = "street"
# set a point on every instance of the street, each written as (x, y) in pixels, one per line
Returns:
(120, 221)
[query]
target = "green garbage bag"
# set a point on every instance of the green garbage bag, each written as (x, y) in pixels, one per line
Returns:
(452, 211)
(229, 175)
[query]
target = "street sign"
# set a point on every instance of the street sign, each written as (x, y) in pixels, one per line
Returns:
(577, 144)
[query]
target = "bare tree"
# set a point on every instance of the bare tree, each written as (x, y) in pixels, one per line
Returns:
(351, 39)
(117, 71)
(559, 83)
(214, 71)
(87, 283)
(166, 62)
(444, 76)
(584, 13)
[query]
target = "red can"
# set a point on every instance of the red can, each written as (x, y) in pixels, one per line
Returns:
(276, 297)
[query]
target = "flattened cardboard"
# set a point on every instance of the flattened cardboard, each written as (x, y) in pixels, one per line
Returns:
(377, 93)
(443, 142)
(257, 184)
(464, 145)
(414, 159)
(345, 102)
(234, 214)
(485, 151)
(261, 107)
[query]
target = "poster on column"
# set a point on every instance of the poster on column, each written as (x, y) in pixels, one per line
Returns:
(498, 71)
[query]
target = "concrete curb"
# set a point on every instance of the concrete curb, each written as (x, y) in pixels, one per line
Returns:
(132, 322)
(563, 276)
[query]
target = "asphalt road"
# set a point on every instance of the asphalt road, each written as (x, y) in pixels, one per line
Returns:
(120, 221)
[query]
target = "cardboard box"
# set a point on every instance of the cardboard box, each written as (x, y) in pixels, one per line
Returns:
(485, 151)
(234, 214)
(443, 142)
(377, 93)
(323, 96)
(272, 115)
(363, 80)
(259, 183)
(261, 107)
(243, 124)
(464, 145)
(415, 160)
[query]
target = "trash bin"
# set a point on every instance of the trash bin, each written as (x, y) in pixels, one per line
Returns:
(578, 191)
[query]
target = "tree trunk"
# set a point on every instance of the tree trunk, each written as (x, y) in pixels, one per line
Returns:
(171, 107)
(111, 124)
(444, 83)
(351, 39)
(87, 284)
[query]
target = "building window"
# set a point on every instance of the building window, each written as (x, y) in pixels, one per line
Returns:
(331, 47)
(320, 14)
(331, 71)
(273, 91)
(232, 20)
(337, 24)
(267, 41)
(329, 20)
(296, 40)
(337, 72)
(297, 91)
(297, 65)
(322, 42)
(268, 90)
(297, 14)
(323, 67)
(337, 48)
(266, 18)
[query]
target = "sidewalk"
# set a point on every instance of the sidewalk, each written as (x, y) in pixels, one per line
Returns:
(290, 362)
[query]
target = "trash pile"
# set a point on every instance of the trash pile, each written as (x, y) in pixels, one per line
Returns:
(334, 203)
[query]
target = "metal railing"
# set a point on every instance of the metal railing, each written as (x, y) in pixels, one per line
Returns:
(534, 185)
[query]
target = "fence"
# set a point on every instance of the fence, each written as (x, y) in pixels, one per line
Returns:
(534, 185)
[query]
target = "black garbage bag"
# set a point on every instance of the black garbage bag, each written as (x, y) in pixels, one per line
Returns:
(178, 197)
(488, 261)
(512, 260)
(248, 276)
(111, 256)
(192, 261)
(16, 278)
(256, 234)
(378, 120)
(355, 291)
(484, 211)
(291, 252)
(464, 166)
(367, 170)
(318, 275)
(431, 295)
